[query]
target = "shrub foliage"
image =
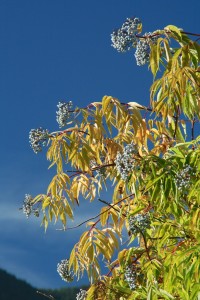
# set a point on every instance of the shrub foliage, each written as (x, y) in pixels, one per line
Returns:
(151, 157)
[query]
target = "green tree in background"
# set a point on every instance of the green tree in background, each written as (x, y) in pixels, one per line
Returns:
(149, 158)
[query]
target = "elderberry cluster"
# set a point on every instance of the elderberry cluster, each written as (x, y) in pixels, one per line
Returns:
(139, 223)
(125, 162)
(81, 295)
(142, 53)
(63, 113)
(38, 138)
(63, 270)
(131, 277)
(28, 206)
(183, 177)
(124, 38)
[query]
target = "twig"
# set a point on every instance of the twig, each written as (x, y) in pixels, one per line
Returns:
(170, 238)
(77, 173)
(111, 206)
(155, 34)
(176, 122)
(114, 266)
(45, 295)
(190, 33)
(80, 224)
(68, 130)
(145, 245)
(178, 245)
(102, 166)
(93, 226)
(192, 129)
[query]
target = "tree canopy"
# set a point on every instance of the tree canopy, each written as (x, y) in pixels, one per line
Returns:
(150, 157)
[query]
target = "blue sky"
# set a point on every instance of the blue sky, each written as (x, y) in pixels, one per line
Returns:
(51, 51)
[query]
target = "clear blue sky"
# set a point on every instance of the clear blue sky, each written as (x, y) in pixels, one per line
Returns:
(53, 50)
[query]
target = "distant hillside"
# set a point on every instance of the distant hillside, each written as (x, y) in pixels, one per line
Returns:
(12, 288)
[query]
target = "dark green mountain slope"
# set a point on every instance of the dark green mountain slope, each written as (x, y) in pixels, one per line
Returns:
(12, 288)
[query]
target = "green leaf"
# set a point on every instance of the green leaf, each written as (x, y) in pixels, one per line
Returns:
(174, 30)
(154, 60)
(165, 293)
(151, 183)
